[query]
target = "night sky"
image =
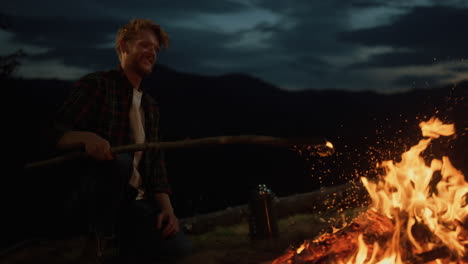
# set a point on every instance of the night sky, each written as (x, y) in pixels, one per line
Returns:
(380, 45)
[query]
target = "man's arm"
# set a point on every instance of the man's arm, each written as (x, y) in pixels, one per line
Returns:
(167, 222)
(95, 146)
(74, 116)
(164, 201)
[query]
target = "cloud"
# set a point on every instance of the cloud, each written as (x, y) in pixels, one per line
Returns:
(424, 33)
(49, 69)
(84, 57)
(397, 79)
(10, 46)
(201, 46)
(74, 42)
(64, 31)
(174, 7)
(298, 44)
(50, 8)
(117, 8)
(398, 59)
(419, 81)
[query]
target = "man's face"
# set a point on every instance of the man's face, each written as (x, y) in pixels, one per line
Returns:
(142, 52)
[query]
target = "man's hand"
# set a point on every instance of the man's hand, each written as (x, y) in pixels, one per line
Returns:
(95, 146)
(167, 222)
(171, 223)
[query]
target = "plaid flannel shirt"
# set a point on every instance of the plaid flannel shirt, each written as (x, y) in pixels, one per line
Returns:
(100, 102)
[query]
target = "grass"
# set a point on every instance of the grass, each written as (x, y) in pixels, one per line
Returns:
(231, 244)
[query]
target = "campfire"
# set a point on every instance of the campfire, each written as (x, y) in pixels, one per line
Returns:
(418, 214)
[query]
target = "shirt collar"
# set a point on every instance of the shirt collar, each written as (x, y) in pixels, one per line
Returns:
(127, 81)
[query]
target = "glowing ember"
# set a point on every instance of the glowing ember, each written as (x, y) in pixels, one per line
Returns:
(425, 216)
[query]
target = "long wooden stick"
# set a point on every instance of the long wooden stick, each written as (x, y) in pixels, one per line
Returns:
(319, 144)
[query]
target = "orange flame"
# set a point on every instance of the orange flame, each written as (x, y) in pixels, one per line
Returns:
(406, 194)
(406, 191)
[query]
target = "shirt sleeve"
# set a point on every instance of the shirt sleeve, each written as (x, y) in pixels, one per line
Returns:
(162, 182)
(76, 111)
(156, 178)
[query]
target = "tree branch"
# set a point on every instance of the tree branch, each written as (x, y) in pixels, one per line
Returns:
(320, 146)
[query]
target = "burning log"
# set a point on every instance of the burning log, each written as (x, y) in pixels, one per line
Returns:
(369, 228)
(330, 247)
(321, 146)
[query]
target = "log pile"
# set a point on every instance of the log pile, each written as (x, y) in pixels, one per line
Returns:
(327, 199)
(375, 230)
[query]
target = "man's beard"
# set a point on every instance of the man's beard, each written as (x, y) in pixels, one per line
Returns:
(139, 69)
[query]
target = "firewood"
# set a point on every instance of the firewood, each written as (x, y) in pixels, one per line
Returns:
(374, 228)
(341, 244)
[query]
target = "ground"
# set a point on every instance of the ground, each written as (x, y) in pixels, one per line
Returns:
(223, 245)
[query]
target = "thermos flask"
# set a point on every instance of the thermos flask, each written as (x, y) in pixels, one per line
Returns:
(263, 219)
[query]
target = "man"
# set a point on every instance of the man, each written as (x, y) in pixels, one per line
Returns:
(128, 193)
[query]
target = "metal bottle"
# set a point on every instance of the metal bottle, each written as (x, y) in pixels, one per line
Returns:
(263, 219)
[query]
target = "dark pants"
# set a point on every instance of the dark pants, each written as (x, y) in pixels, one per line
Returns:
(141, 241)
(108, 201)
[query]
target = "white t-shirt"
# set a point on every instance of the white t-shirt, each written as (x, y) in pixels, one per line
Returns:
(137, 128)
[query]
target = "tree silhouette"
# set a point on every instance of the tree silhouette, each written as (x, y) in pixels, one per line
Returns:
(8, 63)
